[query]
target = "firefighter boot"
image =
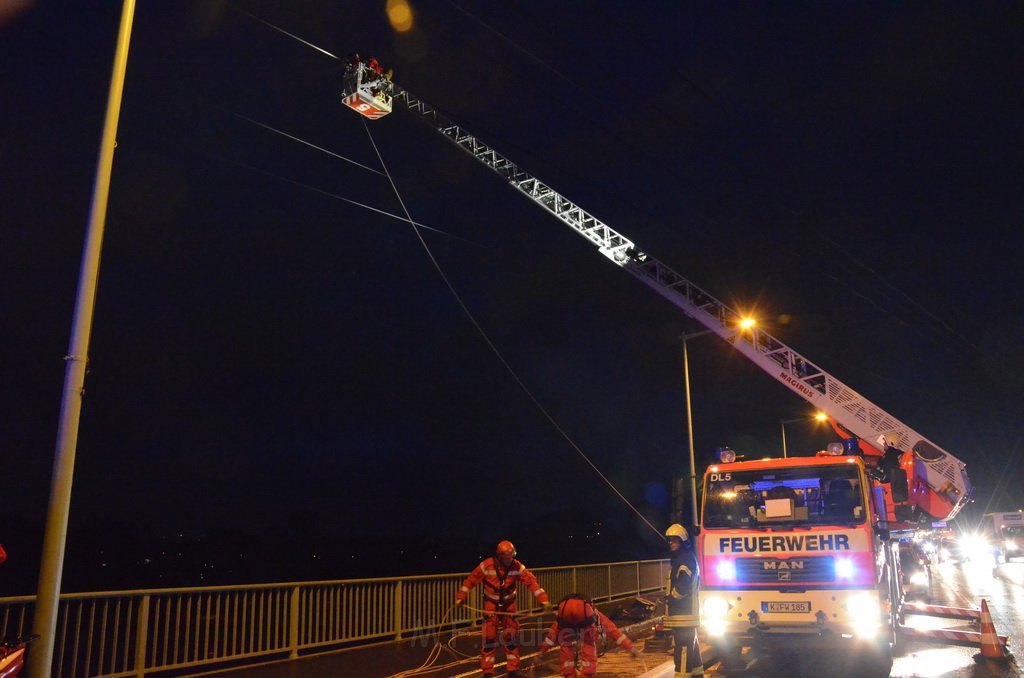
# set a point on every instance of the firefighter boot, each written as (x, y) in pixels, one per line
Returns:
(694, 662)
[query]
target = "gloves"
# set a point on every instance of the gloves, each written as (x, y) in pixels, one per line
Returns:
(547, 606)
(635, 653)
(459, 602)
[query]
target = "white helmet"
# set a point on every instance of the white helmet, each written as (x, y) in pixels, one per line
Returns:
(677, 530)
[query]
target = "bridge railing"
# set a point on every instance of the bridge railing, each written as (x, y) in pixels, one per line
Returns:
(137, 633)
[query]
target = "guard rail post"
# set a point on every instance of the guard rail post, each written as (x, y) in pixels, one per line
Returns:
(293, 624)
(398, 610)
(141, 636)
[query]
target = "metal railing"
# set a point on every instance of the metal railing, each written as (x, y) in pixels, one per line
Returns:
(135, 633)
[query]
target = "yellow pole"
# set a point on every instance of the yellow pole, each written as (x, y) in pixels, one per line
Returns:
(689, 430)
(54, 539)
(689, 424)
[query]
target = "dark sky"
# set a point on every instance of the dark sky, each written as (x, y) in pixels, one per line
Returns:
(277, 371)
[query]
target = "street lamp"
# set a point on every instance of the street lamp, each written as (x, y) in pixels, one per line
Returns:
(689, 421)
(817, 416)
(51, 567)
(745, 323)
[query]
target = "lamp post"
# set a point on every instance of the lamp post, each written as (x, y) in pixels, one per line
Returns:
(689, 421)
(745, 323)
(817, 416)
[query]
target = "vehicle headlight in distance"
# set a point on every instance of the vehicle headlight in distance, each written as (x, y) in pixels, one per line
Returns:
(974, 544)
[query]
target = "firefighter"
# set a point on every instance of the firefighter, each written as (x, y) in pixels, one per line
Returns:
(578, 618)
(681, 596)
(501, 575)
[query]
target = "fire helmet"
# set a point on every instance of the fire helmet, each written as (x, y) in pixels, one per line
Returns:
(505, 548)
(677, 530)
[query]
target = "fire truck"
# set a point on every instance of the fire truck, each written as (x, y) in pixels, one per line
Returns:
(798, 549)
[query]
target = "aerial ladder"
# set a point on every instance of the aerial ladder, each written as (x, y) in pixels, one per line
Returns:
(922, 481)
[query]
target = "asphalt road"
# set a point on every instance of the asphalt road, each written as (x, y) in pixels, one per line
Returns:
(954, 585)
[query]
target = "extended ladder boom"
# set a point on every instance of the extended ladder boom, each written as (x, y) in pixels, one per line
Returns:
(945, 473)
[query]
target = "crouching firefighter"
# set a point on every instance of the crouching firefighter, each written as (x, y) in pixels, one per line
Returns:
(682, 600)
(501, 575)
(577, 619)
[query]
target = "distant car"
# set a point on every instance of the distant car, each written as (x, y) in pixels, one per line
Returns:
(947, 550)
(974, 548)
(916, 568)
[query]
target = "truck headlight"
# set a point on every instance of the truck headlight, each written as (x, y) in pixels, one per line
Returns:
(865, 614)
(713, 613)
(1010, 545)
(715, 608)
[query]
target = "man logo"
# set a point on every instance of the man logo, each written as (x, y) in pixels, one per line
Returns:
(783, 568)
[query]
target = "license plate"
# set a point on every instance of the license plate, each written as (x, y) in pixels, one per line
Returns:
(803, 606)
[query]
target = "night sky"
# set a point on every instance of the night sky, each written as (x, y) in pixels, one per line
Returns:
(283, 387)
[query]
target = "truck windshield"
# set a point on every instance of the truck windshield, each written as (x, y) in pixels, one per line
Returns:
(812, 495)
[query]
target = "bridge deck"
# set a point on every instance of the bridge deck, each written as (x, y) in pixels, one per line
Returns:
(457, 654)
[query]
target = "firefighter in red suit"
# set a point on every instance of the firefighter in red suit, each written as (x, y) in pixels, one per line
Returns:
(577, 617)
(501, 575)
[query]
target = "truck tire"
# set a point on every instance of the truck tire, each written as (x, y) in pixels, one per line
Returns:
(878, 661)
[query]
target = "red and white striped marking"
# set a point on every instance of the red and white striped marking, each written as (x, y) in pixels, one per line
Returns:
(940, 611)
(950, 636)
(366, 105)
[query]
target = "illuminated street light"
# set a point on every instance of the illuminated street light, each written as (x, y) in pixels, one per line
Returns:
(745, 323)
(817, 416)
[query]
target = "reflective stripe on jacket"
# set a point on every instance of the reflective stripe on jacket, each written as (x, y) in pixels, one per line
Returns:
(681, 589)
(499, 584)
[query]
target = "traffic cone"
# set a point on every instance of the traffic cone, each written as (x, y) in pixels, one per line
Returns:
(991, 648)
